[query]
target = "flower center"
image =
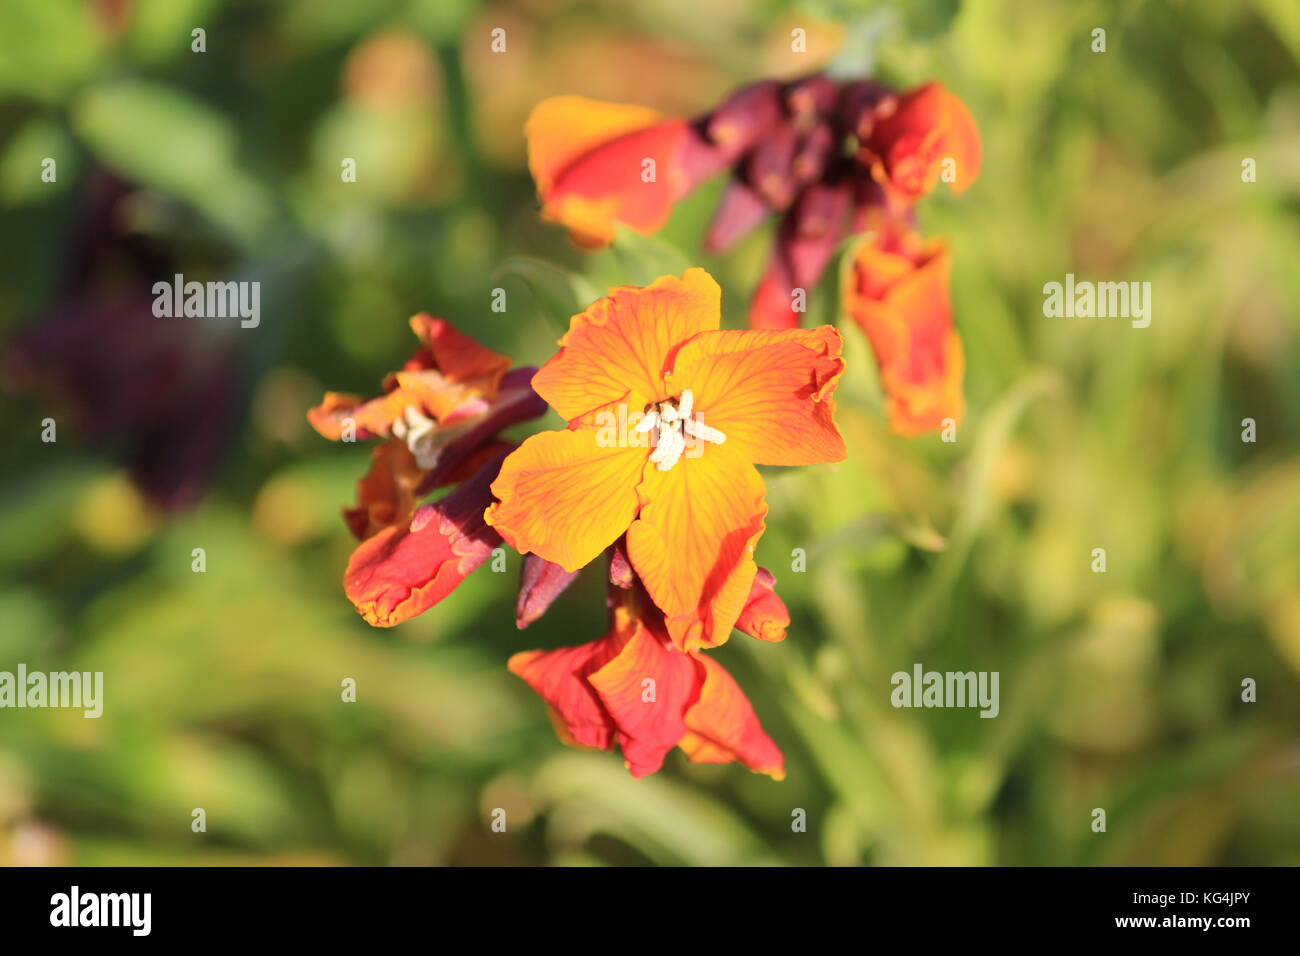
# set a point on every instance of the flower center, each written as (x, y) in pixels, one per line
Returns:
(421, 436)
(679, 426)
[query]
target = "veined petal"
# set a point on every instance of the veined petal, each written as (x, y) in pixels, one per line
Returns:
(692, 544)
(646, 689)
(620, 347)
(406, 569)
(560, 677)
(723, 726)
(564, 497)
(768, 390)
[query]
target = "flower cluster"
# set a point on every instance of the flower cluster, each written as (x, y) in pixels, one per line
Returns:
(831, 160)
(666, 414)
(679, 529)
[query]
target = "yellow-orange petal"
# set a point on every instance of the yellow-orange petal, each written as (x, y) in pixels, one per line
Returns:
(723, 726)
(646, 689)
(619, 348)
(342, 415)
(768, 390)
(564, 497)
(692, 544)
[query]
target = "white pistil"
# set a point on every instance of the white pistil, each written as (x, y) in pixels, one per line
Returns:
(676, 423)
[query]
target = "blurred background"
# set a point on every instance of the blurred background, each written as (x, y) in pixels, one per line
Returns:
(1120, 690)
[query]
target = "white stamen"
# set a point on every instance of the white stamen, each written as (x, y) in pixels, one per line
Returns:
(673, 444)
(420, 434)
(676, 423)
(661, 447)
(697, 429)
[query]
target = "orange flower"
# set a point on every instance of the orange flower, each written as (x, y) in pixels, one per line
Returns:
(439, 415)
(913, 135)
(667, 417)
(636, 688)
(898, 293)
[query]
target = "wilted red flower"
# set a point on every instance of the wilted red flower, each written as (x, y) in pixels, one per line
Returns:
(820, 154)
(439, 416)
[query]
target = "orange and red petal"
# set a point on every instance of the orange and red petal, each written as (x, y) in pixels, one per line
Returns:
(560, 678)
(927, 126)
(387, 494)
(598, 164)
(341, 415)
(406, 569)
(692, 544)
(646, 689)
(769, 391)
(620, 347)
(765, 615)
(565, 497)
(723, 726)
(561, 129)
(458, 357)
(898, 295)
(772, 306)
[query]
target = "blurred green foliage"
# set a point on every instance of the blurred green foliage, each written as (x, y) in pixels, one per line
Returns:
(1119, 690)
